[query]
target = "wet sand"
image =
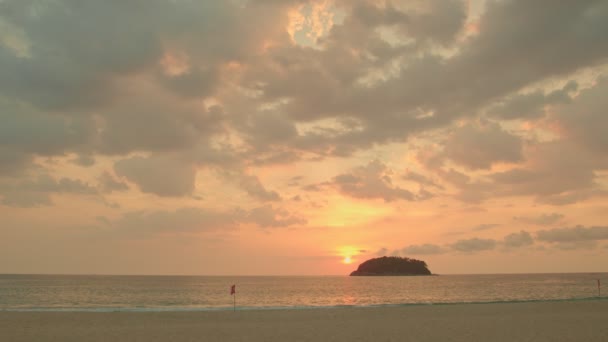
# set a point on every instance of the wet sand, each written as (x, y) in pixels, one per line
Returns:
(541, 321)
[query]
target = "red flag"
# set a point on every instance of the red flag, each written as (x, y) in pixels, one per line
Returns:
(232, 289)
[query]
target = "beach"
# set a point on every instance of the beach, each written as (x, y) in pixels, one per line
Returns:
(532, 321)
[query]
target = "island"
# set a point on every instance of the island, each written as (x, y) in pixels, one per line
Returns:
(392, 266)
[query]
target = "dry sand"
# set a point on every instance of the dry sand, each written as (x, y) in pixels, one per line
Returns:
(547, 321)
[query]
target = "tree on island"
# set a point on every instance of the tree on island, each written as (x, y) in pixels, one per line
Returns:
(392, 266)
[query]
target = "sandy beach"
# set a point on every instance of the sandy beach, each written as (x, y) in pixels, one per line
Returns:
(543, 321)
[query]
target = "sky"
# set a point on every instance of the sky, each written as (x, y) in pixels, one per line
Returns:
(302, 137)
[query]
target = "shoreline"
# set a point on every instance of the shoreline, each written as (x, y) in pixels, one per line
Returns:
(539, 321)
(288, 308)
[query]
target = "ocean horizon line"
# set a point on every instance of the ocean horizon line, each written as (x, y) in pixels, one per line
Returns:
(284, 275)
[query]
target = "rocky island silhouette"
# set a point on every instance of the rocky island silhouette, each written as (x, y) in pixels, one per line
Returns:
(392, 266)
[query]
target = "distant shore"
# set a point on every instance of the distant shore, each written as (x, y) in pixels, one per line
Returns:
(538, 321)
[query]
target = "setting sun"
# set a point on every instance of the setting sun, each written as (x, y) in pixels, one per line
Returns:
(349, 253)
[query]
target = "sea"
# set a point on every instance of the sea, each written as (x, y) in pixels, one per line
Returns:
(210, 293)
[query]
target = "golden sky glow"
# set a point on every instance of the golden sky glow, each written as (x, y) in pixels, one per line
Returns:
(277, 137)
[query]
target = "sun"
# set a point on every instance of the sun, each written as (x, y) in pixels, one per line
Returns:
(349, 253)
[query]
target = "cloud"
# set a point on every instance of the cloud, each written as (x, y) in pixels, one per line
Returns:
(373, 181)
(382, 251)
(473, 245)
(377, 89)
(37, 191)
(84, 160)
(96, 98)
(192, 220)
(422, 180)
(54, 134)
(556, 172)
(372, 89)
(269, 217)
(485, 226)
(159, 90)
(252, 185)
(575, 245)
(82, 74)
(431, 90)
(194, 82)
(478, 147)
(169, 126)
(424, 249)
(584, 119)
(541, 220)
(161, 175)
(13, 162)
(531, 105)
(27, 132)
(564, 238)
(179, 221)
(454, 177)
(266, 128)
(438, 21)
(517, 240)
(108, 183)
(574, 234)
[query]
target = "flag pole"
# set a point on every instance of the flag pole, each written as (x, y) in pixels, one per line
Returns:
(599, 292)
(234, 301)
